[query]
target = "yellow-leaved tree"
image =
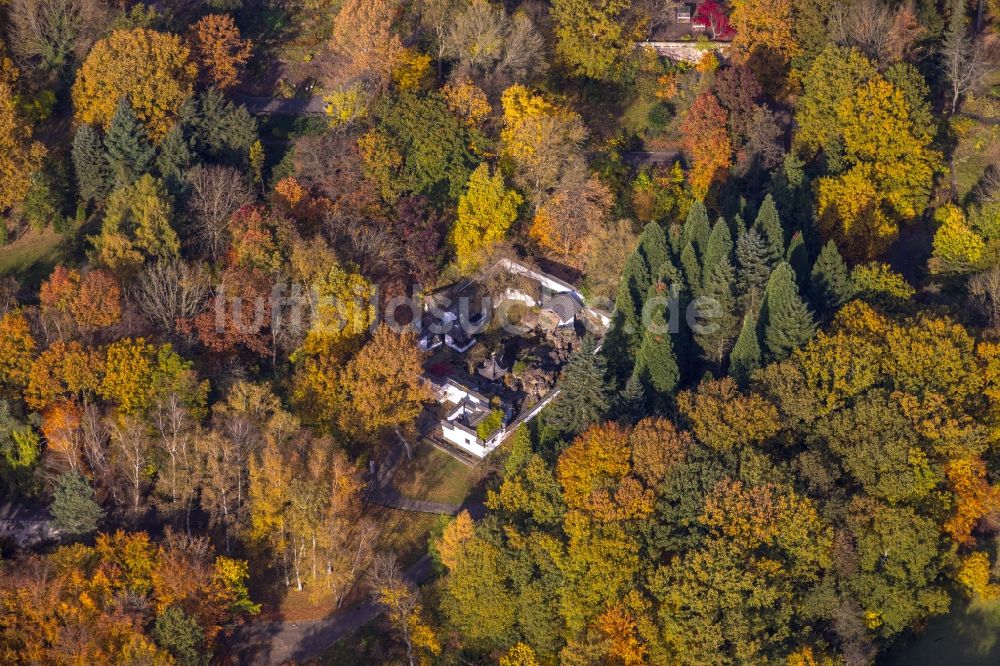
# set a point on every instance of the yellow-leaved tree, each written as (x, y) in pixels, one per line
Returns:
(889, 175)
(383, 385)
(136, 226)
(342, 311)
(22, 157)
(153, 69)
(957, 247)
(17, 350)
(485, 213)
(466, 100)
(452, 542)
(763, 25)
(595, 37)
(539, 142)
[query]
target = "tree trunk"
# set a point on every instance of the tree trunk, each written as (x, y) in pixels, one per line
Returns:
(954, 177)
(406, 444)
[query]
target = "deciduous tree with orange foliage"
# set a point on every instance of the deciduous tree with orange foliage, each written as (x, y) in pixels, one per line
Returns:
(706, 142)
(86, 302)
(60, 427)
(596, 476)
(362, 35)
(97, 602)
(219, 49)
(383, 385)
(763, 25)
(17, 350)
(568, 218)
(64, 371)
(22, 157)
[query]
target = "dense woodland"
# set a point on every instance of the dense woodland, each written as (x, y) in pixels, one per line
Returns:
(785, 450)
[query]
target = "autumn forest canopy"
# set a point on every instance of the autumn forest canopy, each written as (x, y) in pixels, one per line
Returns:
(719, 374)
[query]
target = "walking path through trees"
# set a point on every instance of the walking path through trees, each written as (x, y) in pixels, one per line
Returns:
(281, 642)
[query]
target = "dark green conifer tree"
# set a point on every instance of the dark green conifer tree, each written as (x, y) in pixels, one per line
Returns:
(768, 225)
(653, 247)
(73, 509)
(622, 342)
(691, 268)
(745, 357)
(656, 364)
(630, 406)
(697, 228)
(830, 281)
(632, 289)
(720, 247)
(129, 150)
(797, 257)
(583, 398)
(675, 239)
(174, 158)
(90, 164)
(670, 276)
(220, 129)
(786, 320)
(752, 269)
(715, 334)
(792, 193)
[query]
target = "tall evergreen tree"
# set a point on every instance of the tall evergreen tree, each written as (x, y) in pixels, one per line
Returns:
(792, 192)
(691, 268)
(697, 228)
(653, 247)
(622, 342)
(830, 281)
(90, 164)
(584, 395)
(670, 276)
(739, 225)
(220, 129)
(129, 150)
(785, 318)
(745, 357)
(768, 225)
(657, 365)
(636, 278)
(74, 510)
(720, 247)
(632, 289)
(174, 158)
(797, 257)
(752, 269)
(630, 406)
(675, 239)
(715, 336)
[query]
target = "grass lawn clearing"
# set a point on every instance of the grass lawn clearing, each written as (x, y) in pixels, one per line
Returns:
(371, 644)
(31, 257)
(967, 636)
(435, 476)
